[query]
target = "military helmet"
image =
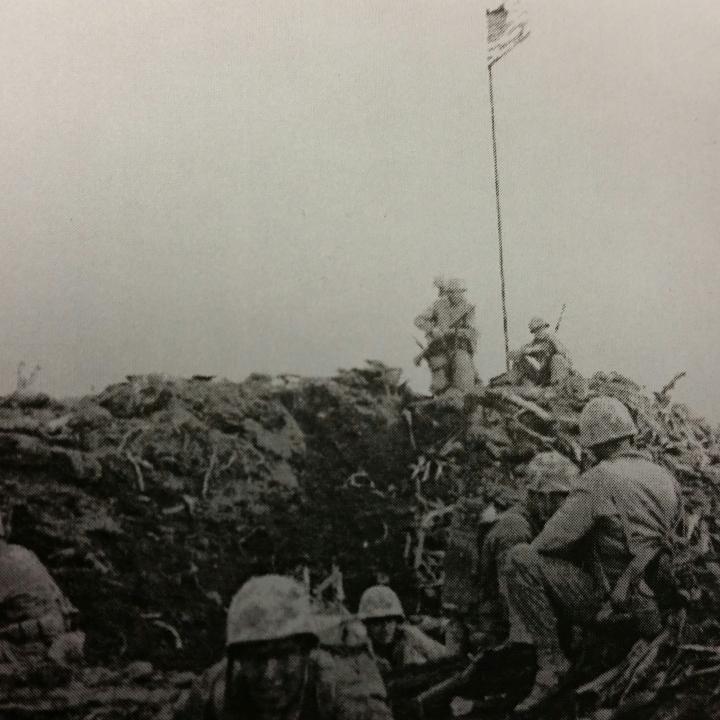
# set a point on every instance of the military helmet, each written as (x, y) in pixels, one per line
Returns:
(269, 607)
(604, 419)
(537, 323)
(550, 472)
(455, 285)
(380, 601)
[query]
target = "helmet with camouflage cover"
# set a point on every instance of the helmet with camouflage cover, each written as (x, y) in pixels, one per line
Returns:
(269, 607)
(380, 601)
(550, 472)
(537, 323)
(455, 285)
(603, 420)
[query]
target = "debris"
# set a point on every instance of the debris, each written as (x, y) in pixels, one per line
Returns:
(209, 472)
(172, 631)
(161, 487)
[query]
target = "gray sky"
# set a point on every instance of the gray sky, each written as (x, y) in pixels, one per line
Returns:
(235, 186)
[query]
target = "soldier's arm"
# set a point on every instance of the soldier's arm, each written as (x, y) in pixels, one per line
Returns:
(559, 348)
(428, 649)
(571, 523)
(426, 321)
(524, 350)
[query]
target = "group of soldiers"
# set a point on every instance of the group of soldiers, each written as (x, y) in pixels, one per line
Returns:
(451, 342)
(579, 549)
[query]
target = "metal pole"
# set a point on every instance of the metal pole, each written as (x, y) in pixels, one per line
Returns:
(499, 221)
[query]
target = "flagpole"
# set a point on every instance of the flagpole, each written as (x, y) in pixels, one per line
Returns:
(499, 218)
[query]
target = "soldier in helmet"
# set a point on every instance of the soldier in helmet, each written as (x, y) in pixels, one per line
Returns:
(620, 514)
(36, 619)
(451, 338)
(274, 668)
(395, 642)
(550, 477)
(543, 361)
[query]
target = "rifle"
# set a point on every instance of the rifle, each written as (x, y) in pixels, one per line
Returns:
(407, 682)
(562, 312)
(443, 338)
(418, 358)
(442, 690)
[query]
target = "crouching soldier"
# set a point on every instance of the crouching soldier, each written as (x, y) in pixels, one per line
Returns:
(550, 476)
(619, 517)
(36, 619)
(395, 643)
(543, 361)
(274, 668)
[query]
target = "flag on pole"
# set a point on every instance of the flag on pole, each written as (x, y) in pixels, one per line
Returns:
(507, 27)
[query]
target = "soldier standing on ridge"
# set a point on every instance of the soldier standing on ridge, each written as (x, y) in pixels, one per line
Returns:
(626, 508)
(543, 361)
(274, 669)
(451, 338)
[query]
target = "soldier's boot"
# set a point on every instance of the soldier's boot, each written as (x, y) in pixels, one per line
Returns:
(549, 679)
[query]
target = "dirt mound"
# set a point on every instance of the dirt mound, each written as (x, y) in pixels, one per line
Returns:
(152, 501)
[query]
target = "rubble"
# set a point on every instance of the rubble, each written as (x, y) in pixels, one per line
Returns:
(153, 500)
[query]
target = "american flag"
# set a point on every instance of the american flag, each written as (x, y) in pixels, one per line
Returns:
(507, 27)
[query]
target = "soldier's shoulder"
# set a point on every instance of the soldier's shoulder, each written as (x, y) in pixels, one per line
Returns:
(347, 684)
(414, 634)
(632, 462)
(591, 480)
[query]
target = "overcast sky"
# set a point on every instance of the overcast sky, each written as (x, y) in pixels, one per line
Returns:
(227, 187)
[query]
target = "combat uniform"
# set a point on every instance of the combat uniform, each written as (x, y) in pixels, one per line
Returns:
(625, 508)
(35, 615)
(411, 646)
(550, 477)
(338, 682)
(512, 528)
(452, 339)
(339, 687)
(545, 360)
